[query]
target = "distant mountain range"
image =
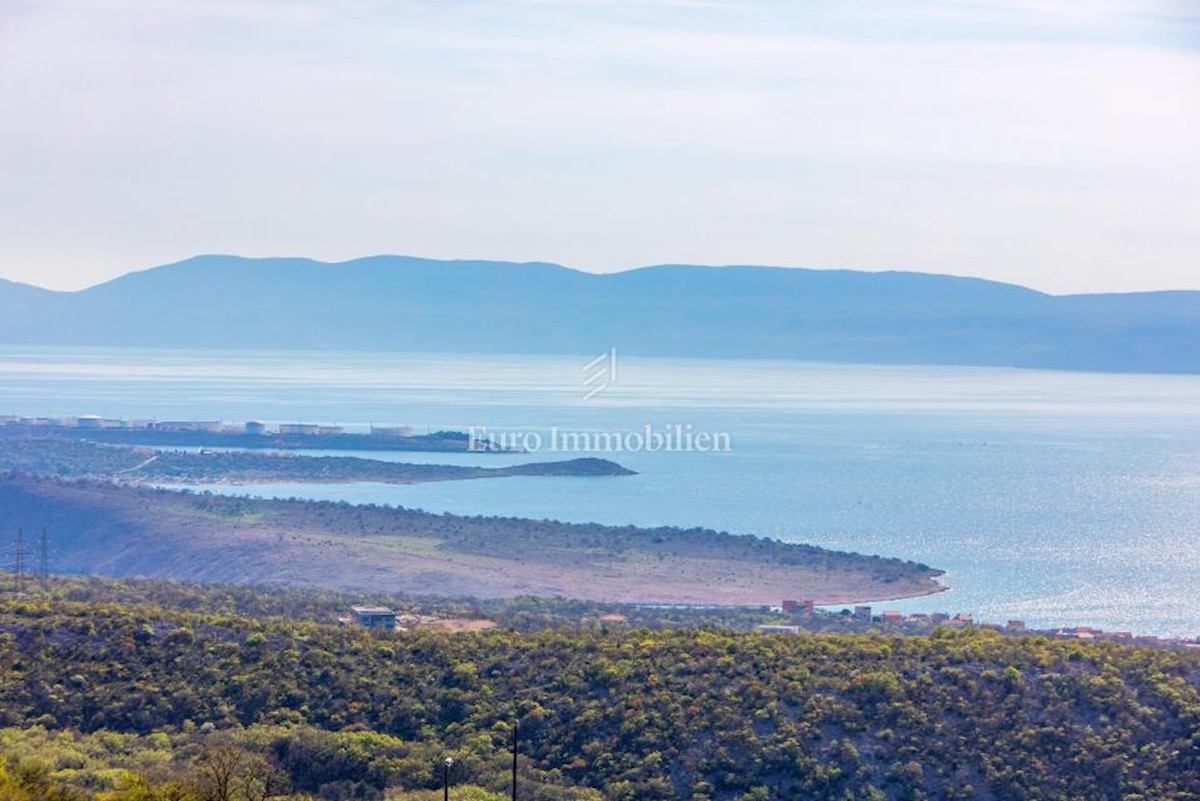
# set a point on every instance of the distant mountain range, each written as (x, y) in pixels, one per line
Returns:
(404, 303)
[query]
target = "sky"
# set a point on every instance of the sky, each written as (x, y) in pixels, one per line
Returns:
(1051, 143)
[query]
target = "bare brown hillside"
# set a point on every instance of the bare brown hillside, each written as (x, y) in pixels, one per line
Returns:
(104, 528)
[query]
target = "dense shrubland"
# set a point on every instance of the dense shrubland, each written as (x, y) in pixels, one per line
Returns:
(138, 698)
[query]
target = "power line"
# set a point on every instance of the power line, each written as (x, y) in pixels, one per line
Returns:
(19, 560)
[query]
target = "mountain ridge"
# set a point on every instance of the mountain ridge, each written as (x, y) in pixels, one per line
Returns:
(670, 310)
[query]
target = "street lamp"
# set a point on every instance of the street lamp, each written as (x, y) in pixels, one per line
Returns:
(516, 731)
(446, 778)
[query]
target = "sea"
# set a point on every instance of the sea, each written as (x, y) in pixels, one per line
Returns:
(1057, 498)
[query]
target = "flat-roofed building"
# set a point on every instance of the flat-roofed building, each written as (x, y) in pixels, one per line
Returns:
(373, 617)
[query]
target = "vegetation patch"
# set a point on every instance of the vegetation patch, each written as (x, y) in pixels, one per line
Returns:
(138, 698)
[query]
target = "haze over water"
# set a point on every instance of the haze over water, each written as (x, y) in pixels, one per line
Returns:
(1057, 498)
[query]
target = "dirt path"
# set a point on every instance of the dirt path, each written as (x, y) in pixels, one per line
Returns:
(137, 467)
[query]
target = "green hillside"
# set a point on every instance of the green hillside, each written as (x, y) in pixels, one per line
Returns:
(139, 695)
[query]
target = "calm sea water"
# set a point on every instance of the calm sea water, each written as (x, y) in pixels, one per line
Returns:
(1057, 498)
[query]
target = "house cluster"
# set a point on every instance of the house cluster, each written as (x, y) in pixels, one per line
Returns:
(892, 617)
(1093, 634)
(921, 621)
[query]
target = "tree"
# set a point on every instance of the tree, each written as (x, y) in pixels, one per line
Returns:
(226, 772)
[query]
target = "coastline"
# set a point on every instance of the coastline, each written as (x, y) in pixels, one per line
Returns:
(79, 457)
(124, 530)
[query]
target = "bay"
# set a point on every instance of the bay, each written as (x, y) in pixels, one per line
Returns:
(1053, 497)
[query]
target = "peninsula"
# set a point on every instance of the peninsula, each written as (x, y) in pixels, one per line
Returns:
(75, 458)
(107, 528)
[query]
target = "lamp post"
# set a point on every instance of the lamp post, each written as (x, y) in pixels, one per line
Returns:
(516, 735)
(446, 778)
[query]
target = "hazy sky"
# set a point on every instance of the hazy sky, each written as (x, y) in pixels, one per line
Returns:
(1054, 143)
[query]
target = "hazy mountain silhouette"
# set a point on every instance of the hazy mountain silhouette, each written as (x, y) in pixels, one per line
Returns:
(403, 303)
